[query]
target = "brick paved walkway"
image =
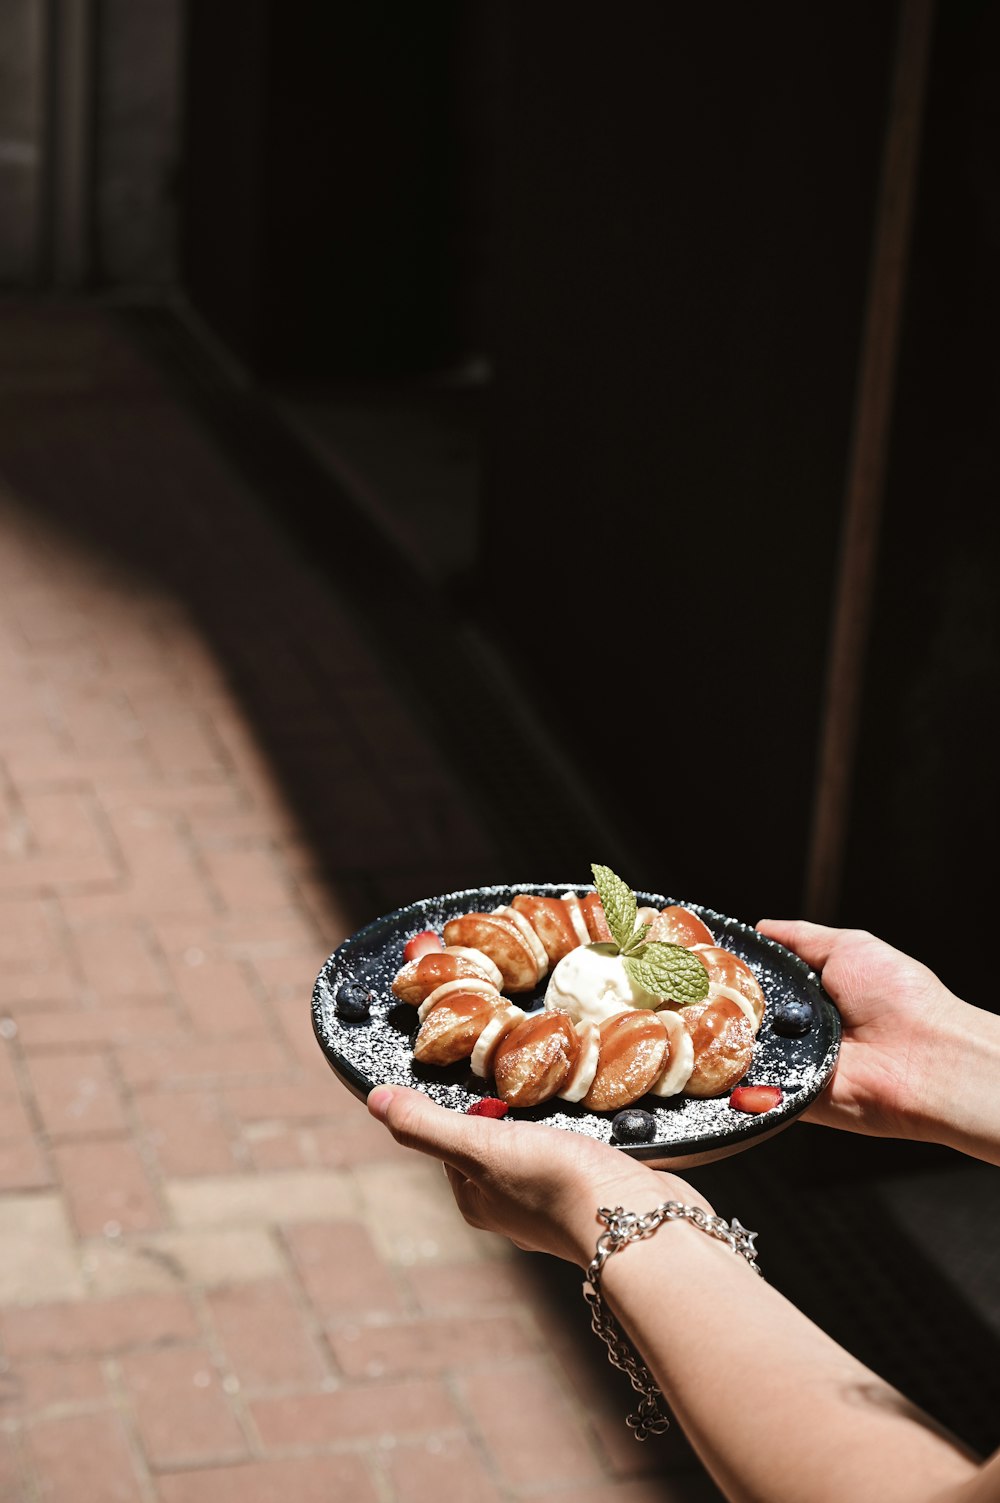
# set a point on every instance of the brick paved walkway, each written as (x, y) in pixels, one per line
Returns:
(219, 1280)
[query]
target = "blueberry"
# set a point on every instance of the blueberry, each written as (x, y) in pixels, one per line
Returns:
(354, 1002)
(793, 1016)
(633, 1126)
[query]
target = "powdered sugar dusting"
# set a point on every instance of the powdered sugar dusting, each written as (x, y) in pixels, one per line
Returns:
(380, 1050)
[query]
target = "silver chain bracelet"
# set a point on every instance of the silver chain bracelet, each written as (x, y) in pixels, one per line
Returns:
(624, 1227)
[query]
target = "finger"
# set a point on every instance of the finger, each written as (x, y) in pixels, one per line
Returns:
(417, 1122)
(813, 942)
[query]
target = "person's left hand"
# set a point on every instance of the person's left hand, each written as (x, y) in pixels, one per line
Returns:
(540, 1186)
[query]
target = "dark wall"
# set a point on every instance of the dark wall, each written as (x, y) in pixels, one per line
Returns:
(328, 199)
(925, 831)
(221, 244)
(684, 228)
(657, 222)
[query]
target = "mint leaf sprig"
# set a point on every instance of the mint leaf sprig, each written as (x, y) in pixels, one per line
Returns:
(656, 966)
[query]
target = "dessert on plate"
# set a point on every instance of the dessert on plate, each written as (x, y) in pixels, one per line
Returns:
(639, 1002)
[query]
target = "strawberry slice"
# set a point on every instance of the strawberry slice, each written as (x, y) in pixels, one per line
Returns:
(424, 943)
(755, 1098)
(488, 1106)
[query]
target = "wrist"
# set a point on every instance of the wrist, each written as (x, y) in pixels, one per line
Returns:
(625, 1228)
(635, 1188)
(950, 1094)
(914, 1108)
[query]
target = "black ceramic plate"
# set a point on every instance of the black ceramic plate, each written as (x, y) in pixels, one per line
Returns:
(379, 1051)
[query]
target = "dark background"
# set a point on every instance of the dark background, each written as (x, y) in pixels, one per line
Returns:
(654, 228)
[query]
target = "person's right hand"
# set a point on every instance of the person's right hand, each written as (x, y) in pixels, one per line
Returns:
(894, 1011)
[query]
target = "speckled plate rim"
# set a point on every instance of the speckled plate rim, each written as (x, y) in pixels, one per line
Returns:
(710, 1129)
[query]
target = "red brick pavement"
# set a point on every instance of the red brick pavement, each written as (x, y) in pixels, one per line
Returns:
(220, 1280)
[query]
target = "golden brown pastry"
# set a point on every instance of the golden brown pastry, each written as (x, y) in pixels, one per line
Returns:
(699, 1050)
(418, 978)
(593, 913)
(723, 1045)
(728, 970)
(680, 926)
(633, 1052)
(536, 1058)
(503, 941)
(550, 918)
(455, 1016)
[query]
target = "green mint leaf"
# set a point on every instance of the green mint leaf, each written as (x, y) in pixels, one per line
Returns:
(668, 970)
(637, 941)
(618, 902)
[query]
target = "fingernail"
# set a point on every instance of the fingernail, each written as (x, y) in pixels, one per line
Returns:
(378, 1101)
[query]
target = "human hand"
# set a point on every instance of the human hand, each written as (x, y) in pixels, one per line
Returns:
(540, 1186)
(893, 1010)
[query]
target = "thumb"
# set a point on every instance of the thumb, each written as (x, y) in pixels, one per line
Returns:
(417, 1122)
(812, 942)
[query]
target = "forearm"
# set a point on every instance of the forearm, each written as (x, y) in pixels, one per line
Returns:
(776, 1410)
(954, 1095)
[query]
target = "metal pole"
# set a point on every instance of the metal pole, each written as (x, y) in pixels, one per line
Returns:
(867, 463)
(66, 240)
